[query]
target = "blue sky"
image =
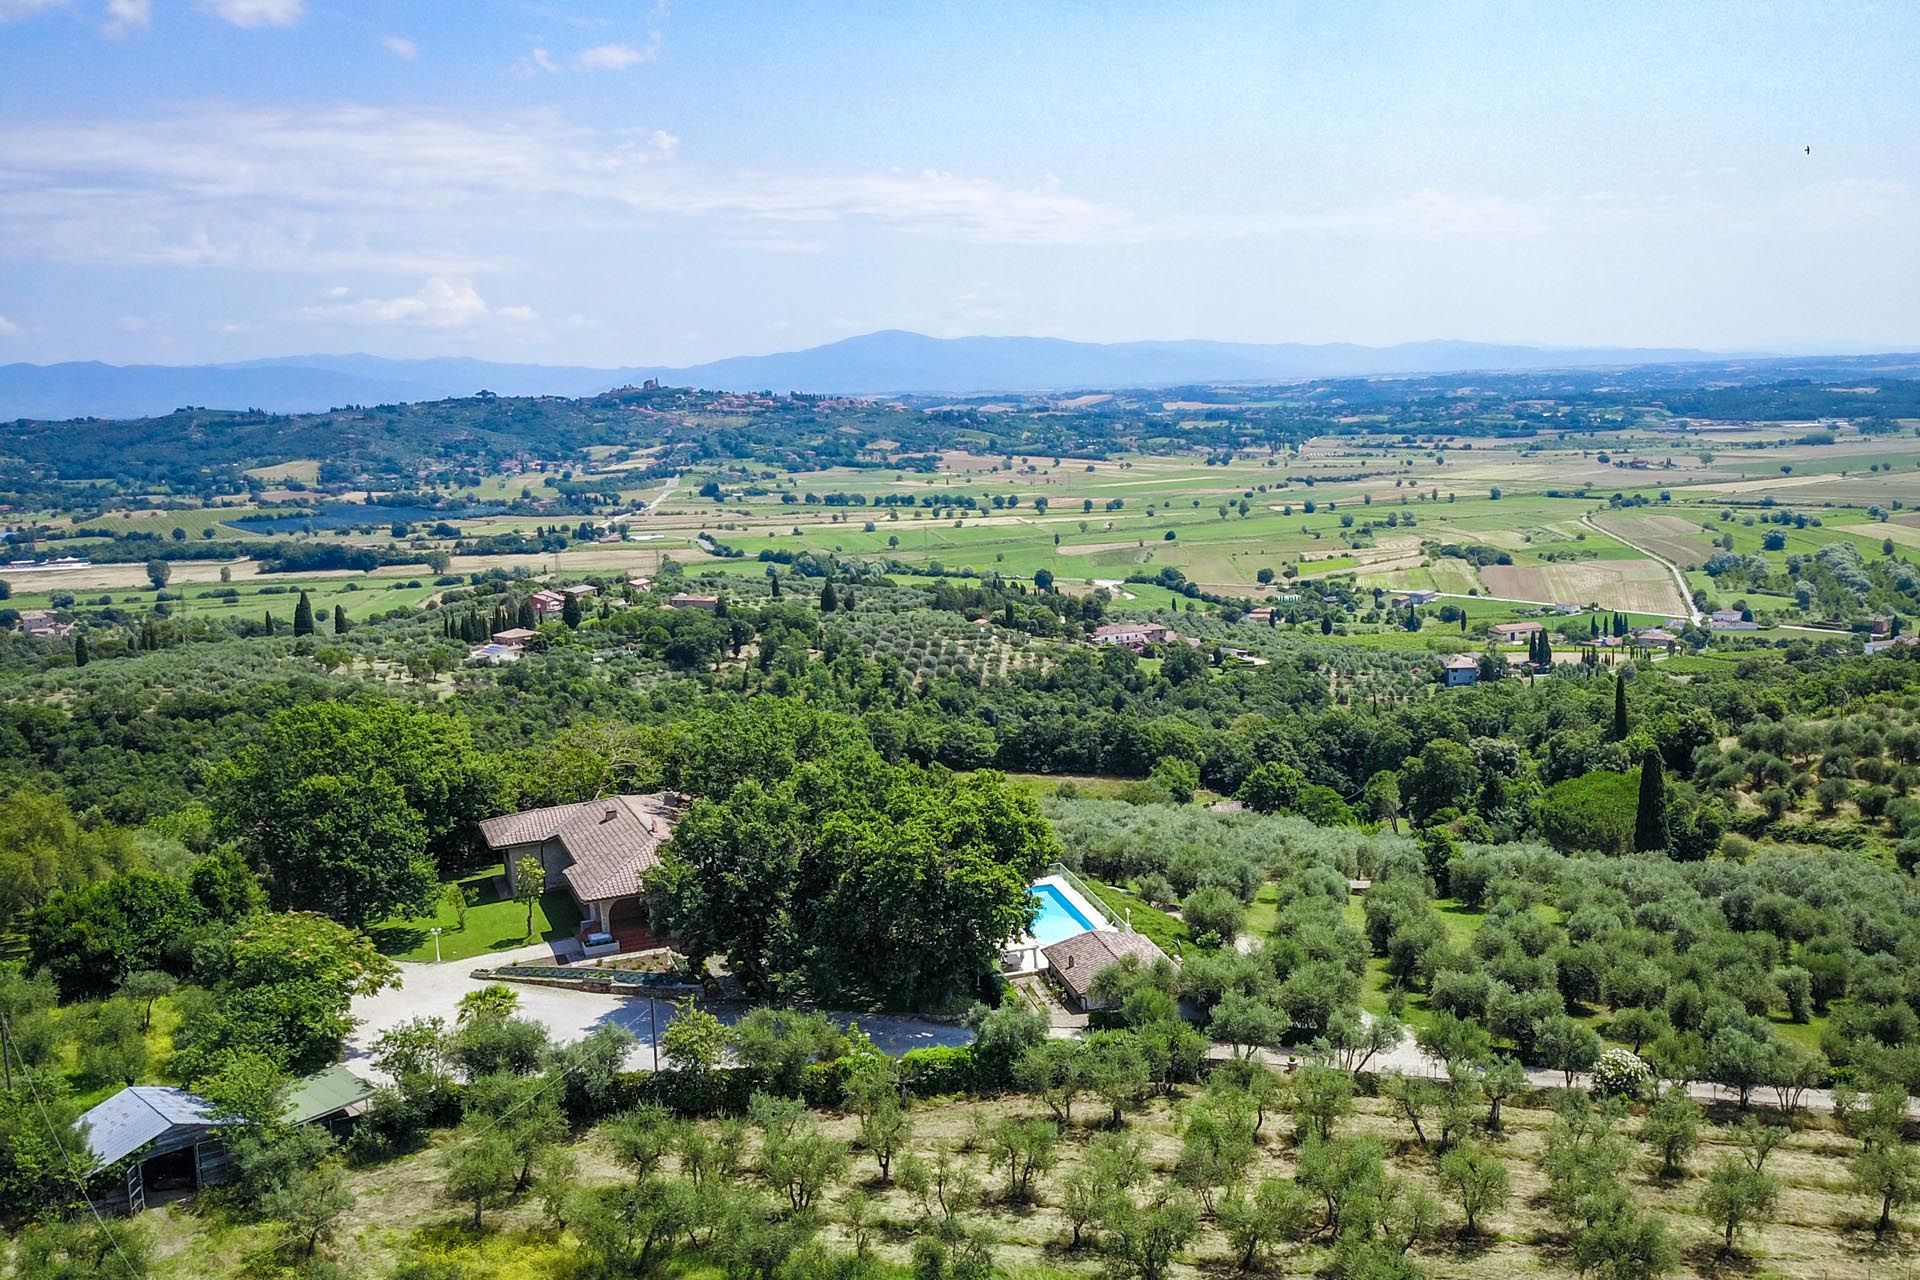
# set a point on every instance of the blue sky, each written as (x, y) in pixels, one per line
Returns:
(641, 183)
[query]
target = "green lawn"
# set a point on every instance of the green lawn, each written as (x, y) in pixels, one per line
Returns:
(1163, 930)
(493, 924)
(1264, 910)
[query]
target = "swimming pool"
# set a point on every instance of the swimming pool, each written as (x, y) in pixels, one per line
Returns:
(1059, 918)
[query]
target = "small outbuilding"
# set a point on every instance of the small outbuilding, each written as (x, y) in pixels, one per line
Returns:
(155, 1143)
(1075, 962)
(168, 1140)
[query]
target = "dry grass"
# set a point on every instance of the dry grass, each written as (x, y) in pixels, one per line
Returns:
(1638, 586)
(1823, 1228)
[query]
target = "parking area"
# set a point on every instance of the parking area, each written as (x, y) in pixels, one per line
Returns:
(430, 990)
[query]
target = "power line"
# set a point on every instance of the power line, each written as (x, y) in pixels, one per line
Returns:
(66, 1157)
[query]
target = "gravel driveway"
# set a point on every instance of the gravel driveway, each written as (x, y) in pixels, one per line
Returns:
(434, 990)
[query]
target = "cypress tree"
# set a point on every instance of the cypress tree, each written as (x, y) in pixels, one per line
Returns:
(1650, 820)
(570, 611)
(775, 580)
(303, 616)
(1546, 650)
(339, 620)
(526, 615)
(269, 621)
(80, 655)
(828, 603)
(1619, 708)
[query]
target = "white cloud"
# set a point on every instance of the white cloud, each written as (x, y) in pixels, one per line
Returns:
(125, 17)
(610, 57)
(1845, 204)
(433, 194)
(400, 47)
(441, 303)
(537, 61)
(8, 328)
(257, 13)
(14, 10)
(363, 188)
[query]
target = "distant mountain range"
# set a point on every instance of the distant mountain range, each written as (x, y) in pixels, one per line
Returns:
(887, 363)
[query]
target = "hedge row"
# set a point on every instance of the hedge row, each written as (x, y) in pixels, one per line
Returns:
(924, 1073)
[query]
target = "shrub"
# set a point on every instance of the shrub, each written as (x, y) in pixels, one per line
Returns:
(1620, 1074)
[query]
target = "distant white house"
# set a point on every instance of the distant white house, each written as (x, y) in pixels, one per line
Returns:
(1133, 635)
(493, 654)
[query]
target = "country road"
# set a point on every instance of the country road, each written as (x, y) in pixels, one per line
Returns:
(1679, 578)
(434, 990)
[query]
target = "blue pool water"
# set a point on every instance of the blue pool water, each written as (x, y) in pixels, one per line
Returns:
(1058, 918)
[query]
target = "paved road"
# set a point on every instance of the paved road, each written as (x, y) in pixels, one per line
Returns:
(434, 990)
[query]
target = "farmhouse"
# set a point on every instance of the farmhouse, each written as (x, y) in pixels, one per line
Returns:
(42, 623)
(600, 851)
(546, 603)
(1075, 962)
(1412, 598)
(683, 600)
(1459, 669)
(1655, 635)
(1134, 635)
(1514, 630)
(1889, 643)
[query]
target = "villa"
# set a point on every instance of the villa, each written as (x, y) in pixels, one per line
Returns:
(1133, 635)
(1514, 630)
(599, 851)
(1460, 668)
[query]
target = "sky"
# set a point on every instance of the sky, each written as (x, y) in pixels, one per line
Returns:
(187, 181)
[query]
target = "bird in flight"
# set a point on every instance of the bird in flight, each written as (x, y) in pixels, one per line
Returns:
(1809, 150)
